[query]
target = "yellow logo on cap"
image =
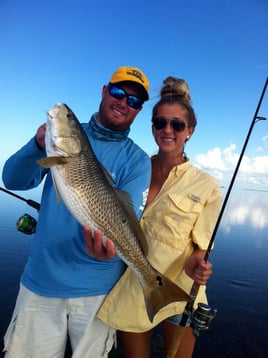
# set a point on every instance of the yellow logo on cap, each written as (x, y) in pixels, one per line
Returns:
(136, 74)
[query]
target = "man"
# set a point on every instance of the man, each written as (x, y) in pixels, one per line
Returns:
(62, 287)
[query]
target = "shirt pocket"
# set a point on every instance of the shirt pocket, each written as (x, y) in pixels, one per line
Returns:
(176, 220)
(187, 209)
(187, 204)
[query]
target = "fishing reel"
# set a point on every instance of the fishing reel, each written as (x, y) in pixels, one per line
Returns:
(201, 318)
(26, 224)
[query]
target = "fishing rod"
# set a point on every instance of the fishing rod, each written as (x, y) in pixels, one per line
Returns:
(30, 202)
(26, 223)
(203, 315)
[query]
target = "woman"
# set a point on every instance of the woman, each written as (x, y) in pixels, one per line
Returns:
(181, 211)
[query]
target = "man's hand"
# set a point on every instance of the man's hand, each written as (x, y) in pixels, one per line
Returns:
(40, 136)
(196, 268)
(95, 247)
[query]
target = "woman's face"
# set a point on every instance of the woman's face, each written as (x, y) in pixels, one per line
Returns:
(167, 138)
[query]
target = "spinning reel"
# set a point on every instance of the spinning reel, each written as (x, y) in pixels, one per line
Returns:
(26, 224)
(201, 318)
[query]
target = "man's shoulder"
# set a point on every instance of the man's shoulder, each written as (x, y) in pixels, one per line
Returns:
(136, 148)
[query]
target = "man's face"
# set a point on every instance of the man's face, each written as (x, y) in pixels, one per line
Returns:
(115, 113)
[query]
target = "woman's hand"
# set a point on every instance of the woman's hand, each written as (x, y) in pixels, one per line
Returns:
(196, 267)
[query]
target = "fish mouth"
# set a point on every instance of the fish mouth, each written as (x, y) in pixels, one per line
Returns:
(57, 149)
(53, 112)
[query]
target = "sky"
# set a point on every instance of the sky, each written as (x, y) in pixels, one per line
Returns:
(65, 51)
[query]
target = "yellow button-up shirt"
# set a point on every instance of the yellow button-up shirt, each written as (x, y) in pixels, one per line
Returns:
(181, 216)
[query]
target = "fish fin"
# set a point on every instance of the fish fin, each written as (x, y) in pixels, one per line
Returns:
(161, 295)
(58, 196)
(49, 162)
(126, 202)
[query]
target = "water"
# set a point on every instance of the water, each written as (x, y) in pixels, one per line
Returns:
(238, 288)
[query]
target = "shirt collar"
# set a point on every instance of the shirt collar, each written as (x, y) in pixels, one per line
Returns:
(101, 132)
(178, 170)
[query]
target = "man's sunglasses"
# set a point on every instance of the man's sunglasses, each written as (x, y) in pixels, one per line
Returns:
(119, 93)
(176, 124)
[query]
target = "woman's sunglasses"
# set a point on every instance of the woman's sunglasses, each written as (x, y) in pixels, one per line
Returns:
(119, 93)
(176, 124)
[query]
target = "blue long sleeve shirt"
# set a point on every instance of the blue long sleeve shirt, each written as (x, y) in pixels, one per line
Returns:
(58, 265)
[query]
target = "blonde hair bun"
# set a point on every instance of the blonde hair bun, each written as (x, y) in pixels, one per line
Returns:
(175, 87)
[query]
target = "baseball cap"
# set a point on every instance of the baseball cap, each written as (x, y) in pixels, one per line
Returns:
(132, 74)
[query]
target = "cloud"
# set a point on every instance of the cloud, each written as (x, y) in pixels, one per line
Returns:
(246, 209)
(211, 160)
(259, 150)
(221, 163)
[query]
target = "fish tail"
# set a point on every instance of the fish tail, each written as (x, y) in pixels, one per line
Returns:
(162, 294)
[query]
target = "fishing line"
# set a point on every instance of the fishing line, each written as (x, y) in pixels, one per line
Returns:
(204, 314)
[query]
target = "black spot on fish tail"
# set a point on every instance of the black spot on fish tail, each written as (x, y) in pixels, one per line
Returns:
(159, 280)
(163, 293)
